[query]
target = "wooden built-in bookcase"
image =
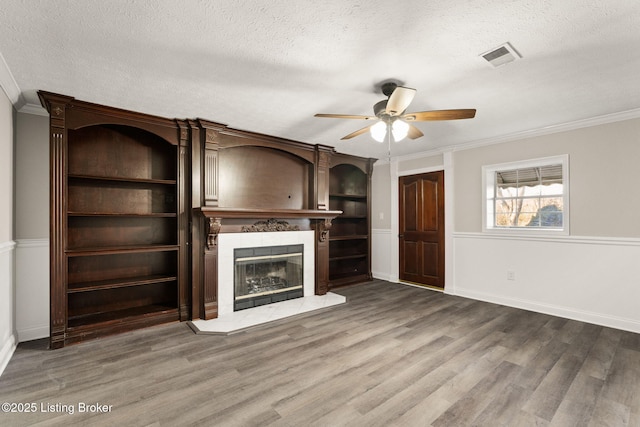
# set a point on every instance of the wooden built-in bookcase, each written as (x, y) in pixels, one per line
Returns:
(350, 238)
(117, 207)
(137, 202)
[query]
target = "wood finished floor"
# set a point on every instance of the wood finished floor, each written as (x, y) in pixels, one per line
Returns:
(393, 355)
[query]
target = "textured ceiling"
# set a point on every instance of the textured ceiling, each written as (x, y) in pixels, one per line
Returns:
(269, 66)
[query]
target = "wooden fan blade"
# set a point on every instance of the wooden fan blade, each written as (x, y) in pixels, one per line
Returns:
(424, 116)
(357, 133)
(400, 100)
(346, 116)
(414, 132)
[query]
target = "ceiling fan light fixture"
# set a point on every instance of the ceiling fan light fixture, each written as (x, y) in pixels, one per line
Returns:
(392, 117)
(400, 130)
(378, 131)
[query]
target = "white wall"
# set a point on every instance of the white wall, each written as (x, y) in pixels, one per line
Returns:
(32, 226)
(7, 244)
(594, 280)
(591, 275)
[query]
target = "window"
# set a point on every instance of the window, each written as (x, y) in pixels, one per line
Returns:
(528, 196)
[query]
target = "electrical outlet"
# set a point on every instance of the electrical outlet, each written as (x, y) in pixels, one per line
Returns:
(511, 275)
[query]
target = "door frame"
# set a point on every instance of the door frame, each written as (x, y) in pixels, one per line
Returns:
(447, 168)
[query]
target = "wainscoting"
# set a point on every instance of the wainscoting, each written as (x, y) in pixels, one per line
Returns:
(589, 279)
(32, 289)
(381, 254)
(8, 339)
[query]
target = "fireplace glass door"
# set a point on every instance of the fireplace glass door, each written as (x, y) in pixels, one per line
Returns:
(265, 275)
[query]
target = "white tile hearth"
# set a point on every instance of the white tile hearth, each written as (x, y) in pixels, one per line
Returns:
(243, 319)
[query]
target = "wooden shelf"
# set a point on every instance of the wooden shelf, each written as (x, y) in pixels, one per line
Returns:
(347, 257)
(119, 283)
(333, 238)
(128, 315)
(120, 250)
(123, 179)
(123, 215)
(349, 196)
(339, 279)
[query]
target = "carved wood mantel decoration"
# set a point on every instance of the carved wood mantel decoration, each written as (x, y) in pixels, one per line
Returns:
(213, 228)
(271, 224)
(325, 226)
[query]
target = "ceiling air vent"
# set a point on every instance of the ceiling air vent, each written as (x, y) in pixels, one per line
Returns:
(501, 55)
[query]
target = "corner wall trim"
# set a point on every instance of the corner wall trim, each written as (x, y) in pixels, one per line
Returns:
(7, 246)
(7, 350)
(9, 85)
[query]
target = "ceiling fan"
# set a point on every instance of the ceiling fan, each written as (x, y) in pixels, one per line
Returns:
(391, 118)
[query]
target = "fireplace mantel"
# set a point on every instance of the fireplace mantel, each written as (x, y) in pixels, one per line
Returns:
(246, 213)
(215, 215)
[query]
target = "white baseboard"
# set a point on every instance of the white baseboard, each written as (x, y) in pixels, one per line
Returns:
(7, 350)
(33, 333)
(382, 276)
(565, 312)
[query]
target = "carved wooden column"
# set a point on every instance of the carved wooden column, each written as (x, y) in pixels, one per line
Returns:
(210, 288)
(211, 169)
(205, 192)
(197, 221)
(322, 227)
(58, 293)
(184, 214)
(322, 176)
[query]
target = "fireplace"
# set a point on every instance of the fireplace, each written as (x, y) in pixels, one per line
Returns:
(230, 320)
(228, 243)
(264, 275)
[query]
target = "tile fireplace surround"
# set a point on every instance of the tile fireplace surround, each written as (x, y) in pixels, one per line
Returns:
(230, 321)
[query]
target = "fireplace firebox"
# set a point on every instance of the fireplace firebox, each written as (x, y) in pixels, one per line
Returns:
(264, 275)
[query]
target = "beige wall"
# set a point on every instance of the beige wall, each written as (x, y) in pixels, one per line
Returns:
(603, 172)
(380, 197)
(420, 163)
(381, 183)
(32, 176)
(6, 168)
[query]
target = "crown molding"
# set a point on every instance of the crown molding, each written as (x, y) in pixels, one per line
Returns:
(516, 136)
(548, 130)
(34, 109)
(9, 85)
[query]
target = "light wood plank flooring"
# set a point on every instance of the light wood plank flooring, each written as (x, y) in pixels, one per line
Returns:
(393, 355)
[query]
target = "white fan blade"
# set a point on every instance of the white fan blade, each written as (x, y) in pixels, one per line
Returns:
(400, 100)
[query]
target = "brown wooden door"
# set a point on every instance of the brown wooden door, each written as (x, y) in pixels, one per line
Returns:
(421, 231)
